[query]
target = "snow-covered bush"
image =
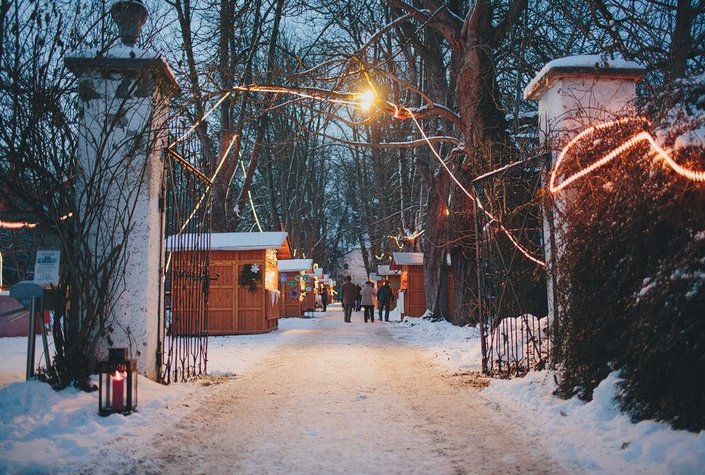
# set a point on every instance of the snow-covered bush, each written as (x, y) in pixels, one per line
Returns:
(632, 271)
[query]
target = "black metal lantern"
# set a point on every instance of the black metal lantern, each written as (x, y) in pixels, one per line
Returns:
(118, 384)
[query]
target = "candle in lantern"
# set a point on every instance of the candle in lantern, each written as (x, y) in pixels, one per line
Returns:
(118, 383)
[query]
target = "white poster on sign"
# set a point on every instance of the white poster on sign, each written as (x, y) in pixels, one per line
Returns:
(46, 266)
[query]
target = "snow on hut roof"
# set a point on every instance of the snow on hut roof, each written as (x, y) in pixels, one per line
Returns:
(251, 241)
(407, 258)
(294, 265)
(239, 242)
(582, 65)
(383, 270)
(410, 259)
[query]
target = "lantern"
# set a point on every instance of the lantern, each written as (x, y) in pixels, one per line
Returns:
(118, 383)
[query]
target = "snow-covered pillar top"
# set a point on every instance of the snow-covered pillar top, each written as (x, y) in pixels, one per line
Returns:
(124, 58)
(577, 91)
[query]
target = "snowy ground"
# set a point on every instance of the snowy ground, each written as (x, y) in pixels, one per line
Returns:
(294, 400)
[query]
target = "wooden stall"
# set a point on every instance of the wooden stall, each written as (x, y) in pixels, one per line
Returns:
(410, 264)
(292, 285)
(310, 289)
(385, 272)
(243, 293)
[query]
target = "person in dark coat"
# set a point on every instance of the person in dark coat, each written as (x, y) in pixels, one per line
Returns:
(358, 298)
(385, 296)
(324, 296)
(349, 296)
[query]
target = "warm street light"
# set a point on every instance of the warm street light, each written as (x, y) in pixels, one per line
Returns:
(366, 100)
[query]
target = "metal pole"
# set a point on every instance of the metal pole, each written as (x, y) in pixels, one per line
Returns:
(31, 337)
(45, 343)
(478, 263)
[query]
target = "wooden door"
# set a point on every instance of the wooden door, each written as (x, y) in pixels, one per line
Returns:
(415, 299)
(222, 308)
(291, 295)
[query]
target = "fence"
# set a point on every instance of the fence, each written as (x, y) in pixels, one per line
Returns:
(183, 329)
(512, 285)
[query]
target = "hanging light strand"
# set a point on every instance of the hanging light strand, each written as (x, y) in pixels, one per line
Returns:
(26, 224)
(360, 101)
(506, 231)
(629, 144)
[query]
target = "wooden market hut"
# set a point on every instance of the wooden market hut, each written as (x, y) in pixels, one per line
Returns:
(410, 264)
(292, 285)
(243, 293)
(310, 291)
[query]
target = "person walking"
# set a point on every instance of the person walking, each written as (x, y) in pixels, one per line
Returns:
(349, 296)
(368, 294)
(324, 296)
(385, 296)
(358, 298)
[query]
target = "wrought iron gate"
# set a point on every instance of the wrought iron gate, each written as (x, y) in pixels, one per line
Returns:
(513, 303)
(186, 203)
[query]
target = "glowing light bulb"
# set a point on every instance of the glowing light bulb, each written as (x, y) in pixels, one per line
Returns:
(366, 100)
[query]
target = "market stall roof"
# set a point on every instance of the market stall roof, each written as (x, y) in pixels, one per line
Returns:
(383, 270)
(406, 259)
(409, 259)
(294, 265)
(239, 242)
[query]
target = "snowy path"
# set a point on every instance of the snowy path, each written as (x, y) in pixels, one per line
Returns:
(342, 398)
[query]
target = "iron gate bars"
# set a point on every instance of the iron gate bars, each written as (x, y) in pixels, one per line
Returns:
(512, 289)
(183, 330)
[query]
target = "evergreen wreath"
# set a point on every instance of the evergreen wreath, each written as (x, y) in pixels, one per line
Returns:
(249, 275)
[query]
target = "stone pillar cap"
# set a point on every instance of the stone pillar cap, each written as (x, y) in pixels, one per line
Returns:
(591, 65)
(156, 66)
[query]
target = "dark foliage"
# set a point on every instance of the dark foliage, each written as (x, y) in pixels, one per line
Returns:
(664, 373)
(249, 277)
(632, 278)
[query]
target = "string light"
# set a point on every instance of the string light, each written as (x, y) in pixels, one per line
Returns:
(215, 174)
(199, 121)
(506, 231)
(627, 145)
(27, 224)
(252, 203)
(364, 101)
(17, 225)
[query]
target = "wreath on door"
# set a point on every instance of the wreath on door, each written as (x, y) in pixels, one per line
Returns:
(249, 276)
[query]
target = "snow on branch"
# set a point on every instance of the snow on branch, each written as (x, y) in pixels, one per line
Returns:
(405, 144)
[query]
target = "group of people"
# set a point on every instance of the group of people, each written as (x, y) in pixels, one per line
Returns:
(356, 297)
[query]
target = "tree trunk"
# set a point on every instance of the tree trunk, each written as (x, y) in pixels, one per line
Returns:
(681, 43)
(264, 119)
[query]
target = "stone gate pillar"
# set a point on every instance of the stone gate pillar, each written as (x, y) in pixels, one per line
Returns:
(574, 93)
(123, 98)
